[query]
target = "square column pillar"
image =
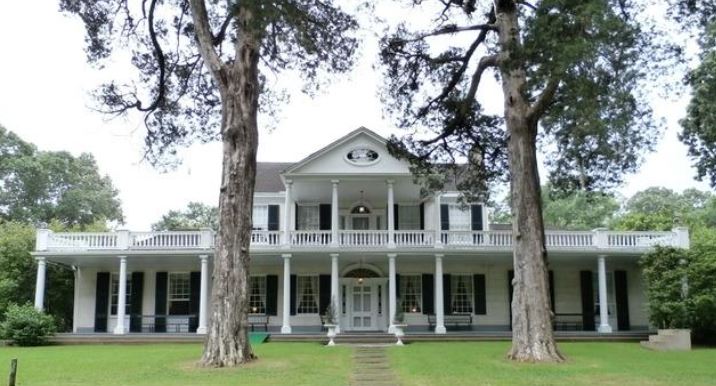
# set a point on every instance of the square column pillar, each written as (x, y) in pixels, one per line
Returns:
(604, 326)
(438, 222)
(287, 215)
(335, 291)
(203, 294)
(286, 326)
(121, 297)
(40, 284)
(392, 290)
(391, 216)
(334, 214)
(439, 306)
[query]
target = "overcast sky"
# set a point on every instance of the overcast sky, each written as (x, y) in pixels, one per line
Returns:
(44, 85)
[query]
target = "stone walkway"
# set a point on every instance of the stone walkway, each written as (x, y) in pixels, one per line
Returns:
(371, 367)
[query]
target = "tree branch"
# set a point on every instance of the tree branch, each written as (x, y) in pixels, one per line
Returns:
(453, 29)
(205, 39)
(219, 37)
(161, 63)
(485, 63)
(540, 105)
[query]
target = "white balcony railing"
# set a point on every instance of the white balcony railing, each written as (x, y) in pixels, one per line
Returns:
(490, 240)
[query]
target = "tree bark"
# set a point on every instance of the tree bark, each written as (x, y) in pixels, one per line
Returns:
(227, 343)
(532, 334)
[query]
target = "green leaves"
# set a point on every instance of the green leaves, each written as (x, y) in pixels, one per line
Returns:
(194, 217)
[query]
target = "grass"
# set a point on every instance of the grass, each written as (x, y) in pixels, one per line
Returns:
(174, 364)
(484, 363)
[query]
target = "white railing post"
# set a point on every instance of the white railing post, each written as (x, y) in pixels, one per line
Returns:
(207, 238)
(287, 215)
(122, 239)
(40, 283)
(391, 215)
(334, 213)
(682, 237)
(601, 238)
(42, 239)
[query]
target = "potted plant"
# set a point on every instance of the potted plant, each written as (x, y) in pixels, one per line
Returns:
(399, 324)
(330, 321)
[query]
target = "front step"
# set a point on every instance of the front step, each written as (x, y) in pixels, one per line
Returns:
(340, 338)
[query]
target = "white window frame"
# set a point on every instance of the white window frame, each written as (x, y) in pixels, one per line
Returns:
(171, 297)
(300, 283)
(302, 222)
(460, 217)
(260, 217)
(257, 300)
(454, 285)
(415, 304)
(409, 224)
(114, 294)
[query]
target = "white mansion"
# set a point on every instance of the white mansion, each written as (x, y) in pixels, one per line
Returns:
(349, 223)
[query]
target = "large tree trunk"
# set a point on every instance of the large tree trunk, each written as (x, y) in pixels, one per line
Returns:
(227, 343)
(532, 334)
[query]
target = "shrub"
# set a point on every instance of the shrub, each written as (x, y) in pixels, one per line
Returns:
(25, 326)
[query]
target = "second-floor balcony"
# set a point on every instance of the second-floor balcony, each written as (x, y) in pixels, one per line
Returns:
(359, 239)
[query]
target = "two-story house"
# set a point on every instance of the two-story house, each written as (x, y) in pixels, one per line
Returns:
(348, 223)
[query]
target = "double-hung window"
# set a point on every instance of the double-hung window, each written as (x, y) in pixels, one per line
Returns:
(114, 298)
(178, 293)
(409, 217)
(308, 218)
(461, 294)
(307, 294)
(257, 294)
(260, 217)
(411, 293)
(460, 217)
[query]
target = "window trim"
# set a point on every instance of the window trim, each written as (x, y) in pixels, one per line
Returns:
(316, 294)
(299, 218)
(128, 300)
(418, 291)
(169, 292)
(470, 292)
(262, 226)
(263, 294)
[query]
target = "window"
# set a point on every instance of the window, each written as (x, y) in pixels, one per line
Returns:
(260, 217)
(411, 292)
(409, 217)
(461, 294)
(257, 294)
(178, 296)
(460, 217)
(308, 218)
(115, 295)
(307, 292)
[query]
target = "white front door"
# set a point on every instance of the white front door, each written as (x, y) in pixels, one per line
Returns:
(362, 315)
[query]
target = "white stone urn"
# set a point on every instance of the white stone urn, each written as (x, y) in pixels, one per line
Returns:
(331, 333)
(399, 331)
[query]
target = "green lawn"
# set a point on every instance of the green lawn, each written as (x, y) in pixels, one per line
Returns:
(174, 364)
(483, 363)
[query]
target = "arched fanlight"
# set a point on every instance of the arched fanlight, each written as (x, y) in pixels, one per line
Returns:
(361, 208)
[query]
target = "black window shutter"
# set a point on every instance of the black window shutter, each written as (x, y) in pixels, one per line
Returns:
(447, 296)
(476, 214)
(135, 312)
(422, 216)
(444, 217)
(324, 217)
(160, 302)
(194, 299)
(621, 292)
(428, 294)
(101, 306)
(271, 294)
(324, 293)
(479, 290)
(585, 281)
(396, 218)
(510, 291)
(295, 217)
(397, 286)
(273, 217)
(293, 295)
(551, 289)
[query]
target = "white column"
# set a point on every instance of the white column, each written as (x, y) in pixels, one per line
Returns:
(391, 215)
(438, 222)
(286, 327)
(335, 292)
(439, 306)
(334, 214)
(121, 296)
(203, 294)
(391, 292)
(40, 284)
(604, 326)
(287, 214)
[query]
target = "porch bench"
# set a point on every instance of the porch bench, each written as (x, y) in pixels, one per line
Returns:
(568, 322)
(256, 320)
(454, 320)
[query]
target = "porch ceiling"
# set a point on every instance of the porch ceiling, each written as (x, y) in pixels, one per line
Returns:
(375, 189)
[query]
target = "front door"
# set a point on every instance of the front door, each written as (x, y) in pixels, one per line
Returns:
(362, 309)
(361, 223)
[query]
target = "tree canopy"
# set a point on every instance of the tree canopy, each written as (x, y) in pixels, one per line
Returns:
(196, 216)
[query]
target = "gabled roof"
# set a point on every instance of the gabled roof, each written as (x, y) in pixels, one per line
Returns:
(268, 176)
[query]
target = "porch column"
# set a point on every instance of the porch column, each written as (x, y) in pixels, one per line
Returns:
(203, 293)
(439, 306)
(286, 326)
(391, 215)
(334, 214)
(335, 295)
(121, 296)
(287, 214)
(438, 222)
(40, 284)
(391, 292)
(604, 326)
